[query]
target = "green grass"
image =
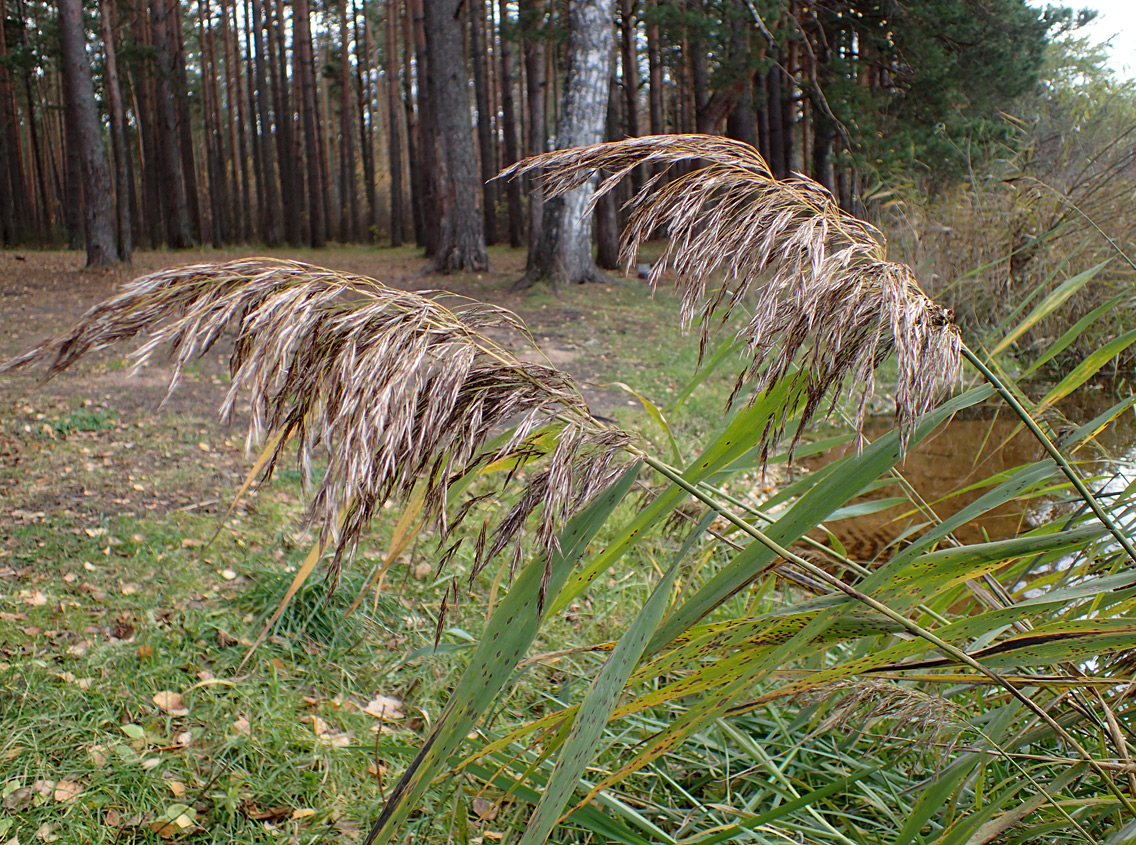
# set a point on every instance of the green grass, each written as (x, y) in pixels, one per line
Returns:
(102, 611)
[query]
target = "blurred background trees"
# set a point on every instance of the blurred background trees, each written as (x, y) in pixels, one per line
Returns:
(311, 121)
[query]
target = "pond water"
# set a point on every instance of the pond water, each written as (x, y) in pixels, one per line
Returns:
(972, 448)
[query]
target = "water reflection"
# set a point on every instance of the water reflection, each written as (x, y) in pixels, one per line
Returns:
(969, 449)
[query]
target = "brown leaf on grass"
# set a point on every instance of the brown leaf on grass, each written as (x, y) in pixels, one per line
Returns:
(67, 790)
(485, 809)
(171, 702)
(35, 598)
(46, 833)
(241, 726)
(385, 707)
(18, 800)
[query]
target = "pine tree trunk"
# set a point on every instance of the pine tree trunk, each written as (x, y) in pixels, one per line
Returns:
(655, 69)
(220, 206)
(536, 85)
(348, 194)
(184, 124)
(509, 127)
(774, 102)
(305, 72)
(461, 244)
(238, 143)
(428, 155)
(607, 213)
(17, 208)
(142, 78)
(83, 122)
(564, 252)
(271, 230)
(487, 147)
(291, 192)
(175, 208)
(413, 128)
(394, 142)
(366, 99)
(122, 184)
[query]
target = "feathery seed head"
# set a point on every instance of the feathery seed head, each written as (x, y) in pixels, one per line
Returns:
(396, 390)
(826, 304)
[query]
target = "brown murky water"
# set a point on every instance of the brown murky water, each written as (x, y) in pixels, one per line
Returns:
(971, 449)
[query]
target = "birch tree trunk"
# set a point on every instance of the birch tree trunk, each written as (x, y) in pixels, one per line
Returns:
(564, 251)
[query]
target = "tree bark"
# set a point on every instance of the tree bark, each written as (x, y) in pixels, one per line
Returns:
(394, 142)
(238, 139)
(214, 138)
(348, 194)
(270, 211)
(461, 244)
(122, 183)
(509, 127)
(142, 86)
(655, 69)
(366, 106)
(607, 213)
(486, 146)
(175, 210)
(564, 252)
(305, 71)
(532, 19)
(291, 183)
(184, 125)
(83, 128)
(429, 202)
(413, 128)
(17, 201)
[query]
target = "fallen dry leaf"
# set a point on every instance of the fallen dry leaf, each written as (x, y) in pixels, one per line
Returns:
(67, 790)
(485, 809)
(18, 800)
(303, 812)
(45, 834)
(171, 702)
(242, 726)
(385, 707)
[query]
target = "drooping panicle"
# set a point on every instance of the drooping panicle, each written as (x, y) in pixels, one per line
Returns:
(394, 390)
(826, 307)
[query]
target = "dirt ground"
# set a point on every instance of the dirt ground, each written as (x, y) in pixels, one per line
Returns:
(103, 403)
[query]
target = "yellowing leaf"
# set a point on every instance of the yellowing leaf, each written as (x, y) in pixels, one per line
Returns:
(303, 812)
(176, 787)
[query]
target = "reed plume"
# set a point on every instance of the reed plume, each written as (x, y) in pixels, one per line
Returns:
(824, 297)
(395, 389)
